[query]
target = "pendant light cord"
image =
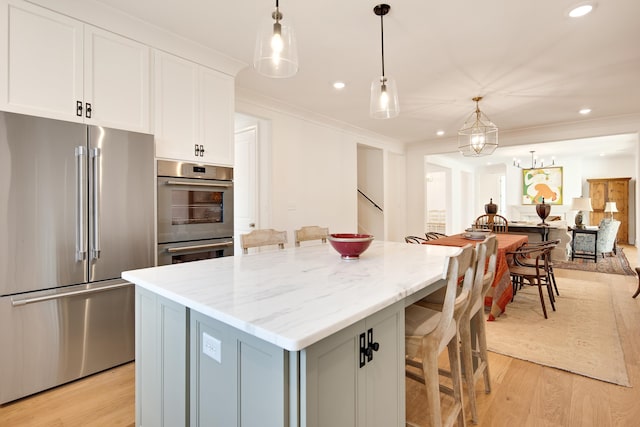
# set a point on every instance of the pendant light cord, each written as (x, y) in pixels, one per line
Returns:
(382, 40)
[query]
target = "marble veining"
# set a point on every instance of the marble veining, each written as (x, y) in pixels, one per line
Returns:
(295, 297)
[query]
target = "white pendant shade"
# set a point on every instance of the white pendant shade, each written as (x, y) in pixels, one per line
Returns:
(384, 98)
(276, 52)
(383, 102)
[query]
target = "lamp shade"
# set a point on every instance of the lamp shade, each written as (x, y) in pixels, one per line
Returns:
(610, 207)
(581, 204)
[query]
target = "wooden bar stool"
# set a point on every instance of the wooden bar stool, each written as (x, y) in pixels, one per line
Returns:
(428, 332)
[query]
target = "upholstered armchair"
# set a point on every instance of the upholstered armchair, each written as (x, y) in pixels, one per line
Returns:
(607, 233)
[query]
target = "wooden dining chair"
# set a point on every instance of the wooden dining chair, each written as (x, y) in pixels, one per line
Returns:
(262, 237)
(494, 222)
(415, 239)
(535, 275)
(530, 262)
(428, 332)
(433, 235)
(311, 232)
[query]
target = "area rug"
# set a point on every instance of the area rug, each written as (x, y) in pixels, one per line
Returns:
(618, 264)
(581, 336)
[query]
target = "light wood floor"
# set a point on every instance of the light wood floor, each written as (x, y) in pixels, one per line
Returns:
(524, 394)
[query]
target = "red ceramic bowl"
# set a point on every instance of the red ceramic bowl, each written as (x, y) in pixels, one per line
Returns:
(350, 246)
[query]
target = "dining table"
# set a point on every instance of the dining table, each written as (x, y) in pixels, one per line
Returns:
(501, 291)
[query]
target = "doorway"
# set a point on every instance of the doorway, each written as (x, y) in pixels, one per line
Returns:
(252, 175)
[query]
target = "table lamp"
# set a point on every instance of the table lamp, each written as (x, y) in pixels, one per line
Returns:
(610, 207)
(581, 204)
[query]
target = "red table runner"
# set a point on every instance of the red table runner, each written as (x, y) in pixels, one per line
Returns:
(502, 289)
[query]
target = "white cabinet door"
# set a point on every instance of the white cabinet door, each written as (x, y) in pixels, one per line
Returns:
(216, 115)
(176, 107)
(61, 68)
(45, 62)
(193, 112)
(346, 387)
(116, 84)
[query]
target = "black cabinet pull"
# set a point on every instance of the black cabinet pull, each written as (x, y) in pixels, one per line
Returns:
(371, 345)
(79, 108)
(363, 350)
(87, 112)
(199, 150)
(202, 151)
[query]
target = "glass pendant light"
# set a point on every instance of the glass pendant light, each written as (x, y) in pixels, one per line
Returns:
(478, 135)
(384, 93)
(276, 53)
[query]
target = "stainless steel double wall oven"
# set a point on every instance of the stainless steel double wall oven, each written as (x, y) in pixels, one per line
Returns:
(195, 212)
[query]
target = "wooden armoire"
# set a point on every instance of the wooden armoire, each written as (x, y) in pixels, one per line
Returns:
(604, 190)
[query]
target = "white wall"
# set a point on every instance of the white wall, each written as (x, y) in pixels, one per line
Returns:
(313, 178)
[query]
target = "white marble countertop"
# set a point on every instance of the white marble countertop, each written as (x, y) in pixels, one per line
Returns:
(295, 297)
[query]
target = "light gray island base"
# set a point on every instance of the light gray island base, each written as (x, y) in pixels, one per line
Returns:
(204, 364)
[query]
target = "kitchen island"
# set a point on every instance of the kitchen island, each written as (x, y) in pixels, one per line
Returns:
(297, 337)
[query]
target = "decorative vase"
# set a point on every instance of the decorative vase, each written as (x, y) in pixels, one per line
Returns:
(491, 208)
(543, 209)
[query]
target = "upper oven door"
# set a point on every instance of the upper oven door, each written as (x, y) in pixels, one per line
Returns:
(194, 209)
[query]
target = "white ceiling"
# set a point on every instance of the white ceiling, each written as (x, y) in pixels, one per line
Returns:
(533, 64)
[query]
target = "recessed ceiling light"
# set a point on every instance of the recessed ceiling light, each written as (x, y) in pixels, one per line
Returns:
(585, 111)
(581, 10)
(339, 85)
(440, 133)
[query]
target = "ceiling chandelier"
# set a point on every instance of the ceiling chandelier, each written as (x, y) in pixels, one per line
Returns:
(276, 53)
(478, 135)
(384, 94)
(534, 162)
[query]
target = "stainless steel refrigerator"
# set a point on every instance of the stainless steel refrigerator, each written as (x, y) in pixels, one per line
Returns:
(76, 209)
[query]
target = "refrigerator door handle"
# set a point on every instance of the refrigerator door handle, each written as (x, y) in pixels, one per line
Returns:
(95, 157)
(25, 301)
(81, 155)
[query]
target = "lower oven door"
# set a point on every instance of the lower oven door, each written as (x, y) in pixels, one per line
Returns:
(176, 253)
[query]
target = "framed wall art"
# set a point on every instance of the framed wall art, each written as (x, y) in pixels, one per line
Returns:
(539, 183)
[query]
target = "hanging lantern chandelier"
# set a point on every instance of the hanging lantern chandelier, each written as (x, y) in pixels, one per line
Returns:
(478, 135)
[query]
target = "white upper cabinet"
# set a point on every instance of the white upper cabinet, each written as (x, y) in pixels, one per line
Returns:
(194, 107)
(116, 81)
(61, 68)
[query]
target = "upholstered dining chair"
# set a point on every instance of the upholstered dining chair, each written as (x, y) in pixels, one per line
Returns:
(428, 332)
(311, 232)
(262, 237)
(494, 222)
(607, 233)
(535, 275)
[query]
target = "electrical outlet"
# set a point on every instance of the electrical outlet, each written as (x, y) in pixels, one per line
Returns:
(212, 347)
